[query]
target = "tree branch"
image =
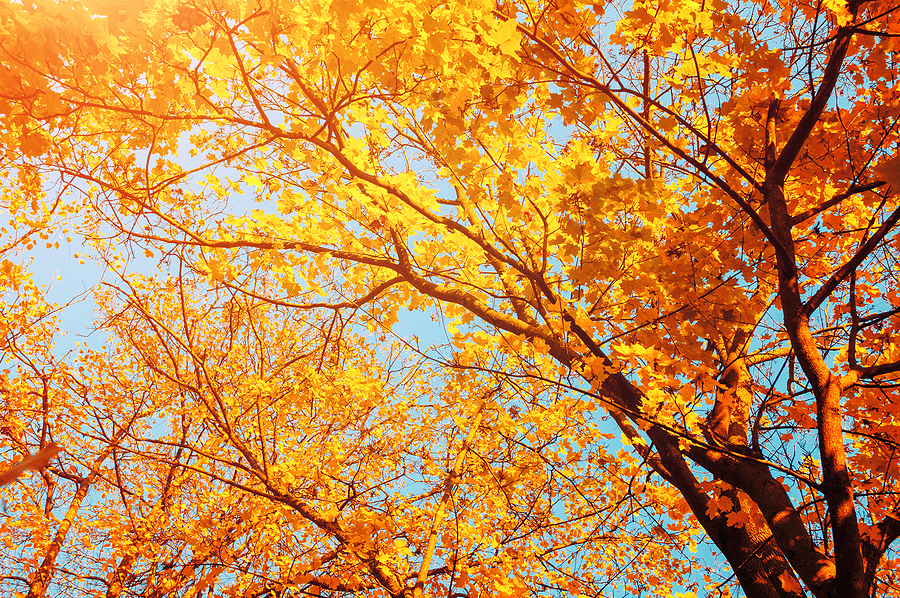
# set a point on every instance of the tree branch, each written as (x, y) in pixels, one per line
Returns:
(844, 271)
(798, 218)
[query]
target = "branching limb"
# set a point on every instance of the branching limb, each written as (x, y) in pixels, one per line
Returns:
(855, 189)
(449, 484)
(850, 266)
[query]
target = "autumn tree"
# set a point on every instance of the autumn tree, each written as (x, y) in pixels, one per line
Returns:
(675, 218)
(265, 455)
(335, 465)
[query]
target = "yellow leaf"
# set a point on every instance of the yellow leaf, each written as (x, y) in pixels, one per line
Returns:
(839, 8)
(506, 37)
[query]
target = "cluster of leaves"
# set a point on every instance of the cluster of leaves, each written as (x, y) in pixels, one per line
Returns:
(675, 218)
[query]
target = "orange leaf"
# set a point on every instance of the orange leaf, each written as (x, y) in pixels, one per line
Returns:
(31, 462)
(790, 583)
(889, 171)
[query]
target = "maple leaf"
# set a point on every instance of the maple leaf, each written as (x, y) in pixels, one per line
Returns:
(789, 583)
(187, 17)
(889, 172)
(718, 504)
(839, 9)
(737, 519)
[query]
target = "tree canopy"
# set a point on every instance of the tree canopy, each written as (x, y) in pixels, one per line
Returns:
(659, 239)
